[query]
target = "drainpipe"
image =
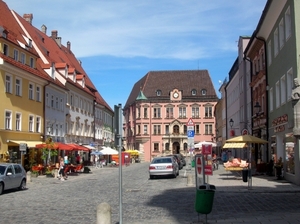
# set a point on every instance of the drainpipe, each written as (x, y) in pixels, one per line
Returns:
(251, 92)
(150, 129)
(267, 96)
(44, 110)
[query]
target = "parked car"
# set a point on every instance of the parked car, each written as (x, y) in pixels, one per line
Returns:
(182, 159)
(163, 166)
(180, 164)
(12, 176)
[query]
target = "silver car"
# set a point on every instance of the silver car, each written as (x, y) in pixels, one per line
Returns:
(163, 166)
(12, 176)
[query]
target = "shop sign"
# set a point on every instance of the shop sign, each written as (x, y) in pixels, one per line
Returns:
(22, 147)
(280, 120)
(279, 128)
(245, 132)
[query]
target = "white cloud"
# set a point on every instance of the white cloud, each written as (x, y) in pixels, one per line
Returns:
(153, 29)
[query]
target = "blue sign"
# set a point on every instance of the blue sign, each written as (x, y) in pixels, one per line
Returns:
(190, 133)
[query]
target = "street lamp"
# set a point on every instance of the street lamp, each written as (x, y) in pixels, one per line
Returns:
(231, 122)
(257, 108)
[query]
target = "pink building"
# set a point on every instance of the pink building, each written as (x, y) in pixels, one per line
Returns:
(159, 107)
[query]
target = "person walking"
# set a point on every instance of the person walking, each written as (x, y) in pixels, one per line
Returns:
(62, 175)
(97, 161)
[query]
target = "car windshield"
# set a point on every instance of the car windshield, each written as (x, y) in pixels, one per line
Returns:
(163, 160)
(2, 170)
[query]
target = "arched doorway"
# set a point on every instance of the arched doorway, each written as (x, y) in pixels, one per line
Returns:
(176, 148)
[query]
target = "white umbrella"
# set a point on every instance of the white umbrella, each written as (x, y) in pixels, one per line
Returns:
(109, 151)
(199, 144)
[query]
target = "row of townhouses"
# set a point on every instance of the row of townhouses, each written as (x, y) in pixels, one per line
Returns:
(261, 96)
(45, 91)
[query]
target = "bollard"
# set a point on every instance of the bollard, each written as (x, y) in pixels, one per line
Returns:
(189, 179)
(28, 176)
(104, 213)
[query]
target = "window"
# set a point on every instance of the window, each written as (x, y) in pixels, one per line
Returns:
(52, 101)
(208, 129)
(145, 129)
(8, 118)
(208, 111)
(156, 112)
(269, 53)
(61, 104)
(156, 129)
(167, 129)
(38, 124)
(31, 123)
(138, 112)
(8, 84)
(18, 122)
(289, 85)
(18, 87)
(56, 129)
(138, 129)
(71, 100)
(277, 92)
(282, 90)
(271, 99)
(23, 58)
(288, 24)
(175, 130)
(158, 93)
(281, 34)
(31, 63)
(47, 99)
(30, 93)
(203, 92)
(56, 103)
(184, 129)
(182, 112)
(194, 92)
(16, 55)
(195, 112)
(197, 129)
(38, 94)
(169, 112)
(5, 49)
(145, 112)
(156, 147)
(276, 43)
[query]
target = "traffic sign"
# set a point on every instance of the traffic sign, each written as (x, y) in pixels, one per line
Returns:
(199, 165)
(190, 122)
(190, 133)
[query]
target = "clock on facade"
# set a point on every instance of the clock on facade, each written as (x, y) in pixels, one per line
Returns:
(175, 95)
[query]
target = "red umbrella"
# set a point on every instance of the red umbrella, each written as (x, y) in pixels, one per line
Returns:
(79, 147)
(55, 145)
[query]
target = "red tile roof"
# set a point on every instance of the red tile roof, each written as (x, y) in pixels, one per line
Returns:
(166, 81)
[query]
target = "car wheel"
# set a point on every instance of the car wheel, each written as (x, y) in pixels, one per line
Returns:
(1, 188)
(23, 185)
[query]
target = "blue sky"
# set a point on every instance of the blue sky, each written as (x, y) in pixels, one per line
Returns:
(119, 41)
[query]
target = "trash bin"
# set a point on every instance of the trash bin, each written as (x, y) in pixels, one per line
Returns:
(193, 163)
(204, 198)
(245, 175)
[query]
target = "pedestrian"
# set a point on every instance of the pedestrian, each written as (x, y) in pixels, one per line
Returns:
(62, 175)
(97, 161)
(78, 159)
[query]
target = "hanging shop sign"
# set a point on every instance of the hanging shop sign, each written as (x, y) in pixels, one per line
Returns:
(280, 120)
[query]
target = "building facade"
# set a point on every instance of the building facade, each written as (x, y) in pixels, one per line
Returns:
(159, 107)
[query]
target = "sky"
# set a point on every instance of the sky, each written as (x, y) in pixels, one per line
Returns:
(120, 41)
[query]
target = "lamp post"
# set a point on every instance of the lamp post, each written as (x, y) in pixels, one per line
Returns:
(231, 122)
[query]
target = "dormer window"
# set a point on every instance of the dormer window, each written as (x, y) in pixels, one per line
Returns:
(194, 92)
(203, 92)
(158, 92)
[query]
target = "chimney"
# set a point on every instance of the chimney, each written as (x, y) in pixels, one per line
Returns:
(28, 17)
(55, 37)
(69, 46)
(44, 29)
(54, 34)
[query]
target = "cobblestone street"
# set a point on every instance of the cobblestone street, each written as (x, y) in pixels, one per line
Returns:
(162, 200)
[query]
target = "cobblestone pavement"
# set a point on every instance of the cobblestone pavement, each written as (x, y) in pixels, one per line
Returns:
(162, 200)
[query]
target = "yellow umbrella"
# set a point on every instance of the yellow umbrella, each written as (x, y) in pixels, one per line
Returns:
(247, 139)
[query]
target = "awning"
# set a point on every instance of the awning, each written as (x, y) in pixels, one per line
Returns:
(30, 144)
(89, 146)
(234, 145)
(78, 147)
